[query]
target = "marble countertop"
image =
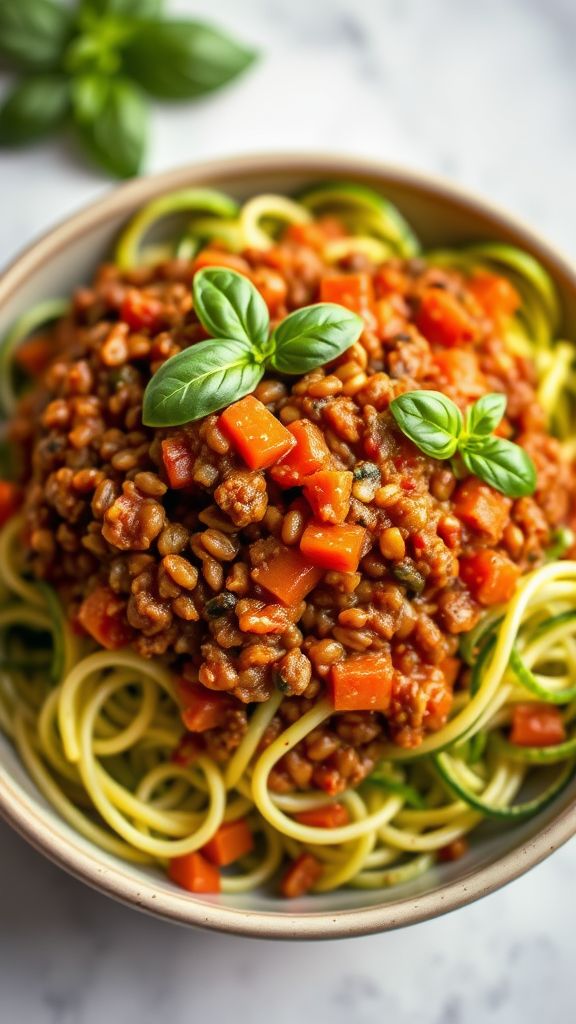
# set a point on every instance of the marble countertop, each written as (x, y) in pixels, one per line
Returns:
(483, 93)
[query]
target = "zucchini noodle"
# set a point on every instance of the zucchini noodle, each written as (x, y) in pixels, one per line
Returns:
(97, 729)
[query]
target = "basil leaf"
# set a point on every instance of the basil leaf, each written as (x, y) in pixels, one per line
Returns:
(89, 95)
(200, 380)
(33, 108)
(229, 306)
(484, 416)
(502, 464)
(116, 136)
(179, 60)
(122, 8)
(33, 33)
(313, 336)
(431, 420)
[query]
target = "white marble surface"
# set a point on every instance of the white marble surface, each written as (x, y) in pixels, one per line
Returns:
(483, 92)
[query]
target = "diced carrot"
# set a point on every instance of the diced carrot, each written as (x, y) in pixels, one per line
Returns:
(10, 500)
(459, 368)
(450, 667)
(482, 508)
(362, 682)
(316, 233)
(443, 320)
(454, 850)
(490, 576)
(273, 289)
(354, 291)
(34, 355)
(288, 575)
(194, 873)
(329, 816)
(216, 258)
(178, 461)
(140, 311)
(255, 433)
(102, 616)
(202, 708)
(333, 547)
(328, 493)
(495, 294)
(309, 454)
(537, 725)
(301, 876)
(232, 841)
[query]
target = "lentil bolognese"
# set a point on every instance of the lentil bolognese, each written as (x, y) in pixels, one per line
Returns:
(288, 546)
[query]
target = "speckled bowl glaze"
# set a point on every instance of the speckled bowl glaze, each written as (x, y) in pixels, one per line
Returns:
(65, 257)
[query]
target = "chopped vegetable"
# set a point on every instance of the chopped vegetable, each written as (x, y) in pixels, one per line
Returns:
(10, 500)
(301, 876)
(354, 291)
(328, 493)
(537, 725)
(490, 576)
(495, 294)
(482, 508)
(140, 311)
(178, 461)
(443, 320)
(194, 873)
(255, 433)
(216, 258)
(329, 816)
(454, 850)
(362, 682)
(34, 355)
(204, 709)
(102, 616)
(309, 454)
(288, 575)
(333, 547)
(232, 841)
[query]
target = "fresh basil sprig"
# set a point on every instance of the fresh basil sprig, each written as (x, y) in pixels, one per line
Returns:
(91, 68)
(210, 375)
(434, 424)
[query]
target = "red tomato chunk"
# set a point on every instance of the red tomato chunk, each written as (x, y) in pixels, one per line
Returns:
(537, 725)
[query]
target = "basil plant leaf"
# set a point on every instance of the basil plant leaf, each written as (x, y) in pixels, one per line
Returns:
(431, 420)
(121, 8)
(229, 306)
(484, 416)
(115, 137)
(502, 464)
(34, 107)
(33, 33)
(179, 59)
(312, 336)
(202, 379)
(89, 95)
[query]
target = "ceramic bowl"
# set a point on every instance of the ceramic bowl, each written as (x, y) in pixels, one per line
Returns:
(54, 265)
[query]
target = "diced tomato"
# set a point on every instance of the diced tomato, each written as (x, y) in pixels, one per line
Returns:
(333, 547)
(216, 258)
(10, 500)
(288, 575)
(309, 454)
(194, 873)
(301, 876)
(443, 320)
(255, 433)
(314, 234)
(273, 289)
(232, 841)
(102, 615)
(202, 708)
(495, 294)
(450, 668)
(537, 725)
(482, 508)
(329, 816)
(328, 493)
(354, 291)
(178, 461)
(35, 354)
(490, 576)
(362, 682)
(454, 850)
(188, 750)
(140, 311)
(459, 368)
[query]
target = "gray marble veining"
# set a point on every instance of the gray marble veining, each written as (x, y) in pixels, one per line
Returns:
(484, 93)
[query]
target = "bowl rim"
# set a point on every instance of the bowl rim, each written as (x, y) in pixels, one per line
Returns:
(19, 808)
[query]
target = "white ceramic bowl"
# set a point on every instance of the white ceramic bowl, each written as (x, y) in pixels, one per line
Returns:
(64, 258)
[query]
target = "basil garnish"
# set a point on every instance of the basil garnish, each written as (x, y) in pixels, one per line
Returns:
(434, 423)
(210, 375)
(105, 55)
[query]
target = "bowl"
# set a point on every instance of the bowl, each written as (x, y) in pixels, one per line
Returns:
(65, 257)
